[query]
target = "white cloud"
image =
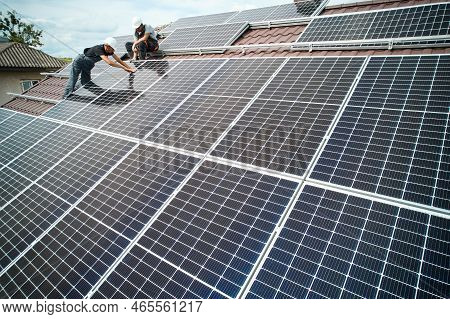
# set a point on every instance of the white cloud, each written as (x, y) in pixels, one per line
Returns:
(83, 23)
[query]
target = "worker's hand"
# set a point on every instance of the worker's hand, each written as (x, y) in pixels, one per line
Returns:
(131, 70)
(134, 47)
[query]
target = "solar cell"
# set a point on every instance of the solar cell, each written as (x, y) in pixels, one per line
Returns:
(218, 223)
(199, 21)
(334, 245)
(416, 21)
(79, 171)
(392, 138)
(134, 191)
(47, 152)
(21, 140)
(202, 37)
(284, 135)
(142, 275)
(198, 122)
(13, 123)
(66, 262)
(24, 220)
(143, 114)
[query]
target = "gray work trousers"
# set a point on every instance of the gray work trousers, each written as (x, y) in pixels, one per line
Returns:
(80, 65)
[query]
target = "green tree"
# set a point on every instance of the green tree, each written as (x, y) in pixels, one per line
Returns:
(16, 30)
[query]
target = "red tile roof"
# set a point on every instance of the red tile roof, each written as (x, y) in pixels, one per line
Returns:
(28, 106)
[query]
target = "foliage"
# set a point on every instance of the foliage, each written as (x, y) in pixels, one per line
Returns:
(15, 30)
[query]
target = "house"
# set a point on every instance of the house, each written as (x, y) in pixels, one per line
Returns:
(21, 67)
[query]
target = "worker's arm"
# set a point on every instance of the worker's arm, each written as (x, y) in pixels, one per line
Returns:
(119, 60)
(117, 65)
(143, 39)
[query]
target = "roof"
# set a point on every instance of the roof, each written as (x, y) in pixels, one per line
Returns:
(18, 55)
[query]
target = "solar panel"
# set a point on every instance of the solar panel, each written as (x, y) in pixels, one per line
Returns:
(13, 123)
(198, 21)
(203, 37)
(66, 262)
(241, 77)
(334, 245)
(79, 171)
(21, 140)
(218, 223)
(24, 220)
(42, 156)
(142, 115)
(294, 10)
(392, 138)
(187, 76)
(134, 191)
(419, 21)
(143, 275)
(284, 127)
(253, 15)
(198, 122)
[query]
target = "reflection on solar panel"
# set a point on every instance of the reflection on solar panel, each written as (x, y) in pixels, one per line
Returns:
(392, 138)
(338, 246)
(23, 139)
(417, 21)
(24, 220)
(282, 135)
(143, 275)
(199, 21)
(73, 177)
(202, 37)
(214, 229)
(66, 262)
(283, 12)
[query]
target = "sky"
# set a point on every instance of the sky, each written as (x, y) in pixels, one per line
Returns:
(71, 26)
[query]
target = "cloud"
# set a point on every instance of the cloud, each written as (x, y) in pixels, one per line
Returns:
(71, 26)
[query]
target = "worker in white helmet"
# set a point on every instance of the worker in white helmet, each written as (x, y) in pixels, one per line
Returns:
(84, 63)
(145, 40)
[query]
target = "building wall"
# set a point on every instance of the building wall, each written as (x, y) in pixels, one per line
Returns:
(10, 82)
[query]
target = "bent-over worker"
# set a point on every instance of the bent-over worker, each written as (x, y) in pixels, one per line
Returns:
(85, 62)
(145, 40)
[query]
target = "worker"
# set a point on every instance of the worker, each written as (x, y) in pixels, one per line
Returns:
(84, 63)
(145, 40)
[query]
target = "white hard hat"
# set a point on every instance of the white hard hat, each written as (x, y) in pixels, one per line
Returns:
(111, 42)
(136, 22)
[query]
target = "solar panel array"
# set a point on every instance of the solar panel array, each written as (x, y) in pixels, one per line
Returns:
(203, 37)
(315, 177)
(199, 21)
(420, 21)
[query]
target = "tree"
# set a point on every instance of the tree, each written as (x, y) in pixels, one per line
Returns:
(15, 30)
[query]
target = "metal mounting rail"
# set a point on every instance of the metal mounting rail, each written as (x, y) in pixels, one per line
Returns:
(34, 98)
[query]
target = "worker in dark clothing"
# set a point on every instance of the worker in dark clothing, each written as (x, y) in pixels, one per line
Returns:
(84, 63)
(145, 40)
